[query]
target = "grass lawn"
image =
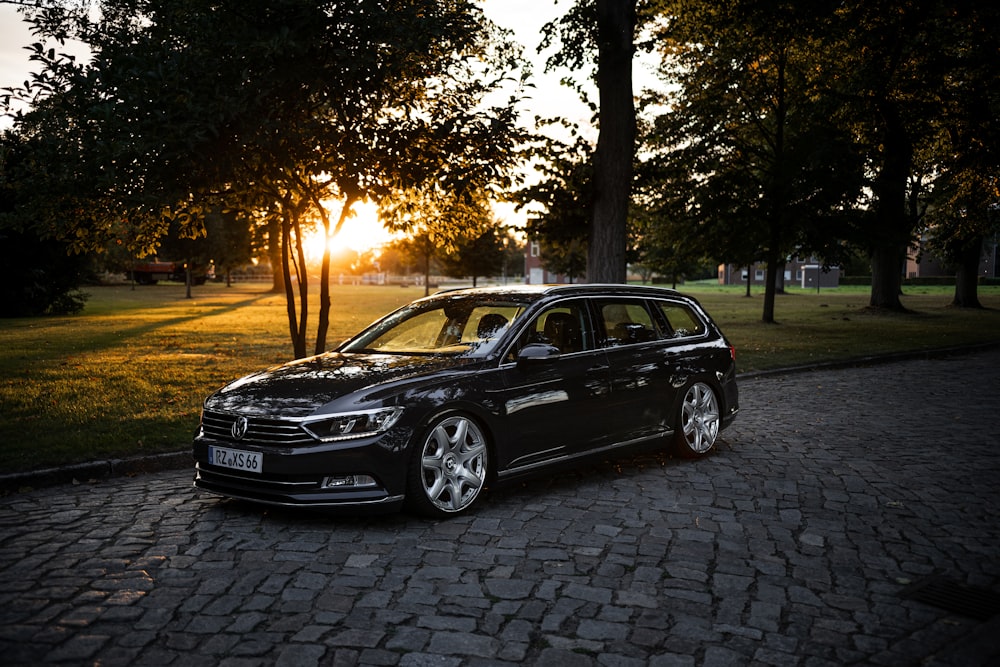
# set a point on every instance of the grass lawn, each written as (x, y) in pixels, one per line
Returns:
(127, 376)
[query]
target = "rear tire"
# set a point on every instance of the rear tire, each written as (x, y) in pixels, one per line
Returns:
(448, 472)
(697, 425)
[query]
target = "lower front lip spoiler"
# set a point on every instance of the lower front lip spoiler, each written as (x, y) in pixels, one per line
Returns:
(347, 504)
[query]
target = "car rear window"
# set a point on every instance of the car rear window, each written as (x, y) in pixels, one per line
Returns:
(683, 322)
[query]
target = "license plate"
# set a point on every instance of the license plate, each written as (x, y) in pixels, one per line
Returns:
(236, 459)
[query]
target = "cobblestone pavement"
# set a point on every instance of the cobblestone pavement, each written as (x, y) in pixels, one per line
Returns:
(796, 543)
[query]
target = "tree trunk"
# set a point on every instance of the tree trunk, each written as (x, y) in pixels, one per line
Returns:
(967, 275)
(324, 288)
(296, 325)
(286, 274)
(302, 277)
(770, 287)
(275, 255)
(887, 277)
(776, 197)
(615, 143)
(427, 273)
(893, 225)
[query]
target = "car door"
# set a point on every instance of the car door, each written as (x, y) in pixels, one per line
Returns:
(641, 388)
(553, 404)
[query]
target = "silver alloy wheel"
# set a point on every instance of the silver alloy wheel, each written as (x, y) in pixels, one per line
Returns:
(699, 423)
(453, 464)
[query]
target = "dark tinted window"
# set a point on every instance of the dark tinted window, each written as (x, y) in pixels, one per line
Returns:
(564, 325)
(624, 321)
(681, 319)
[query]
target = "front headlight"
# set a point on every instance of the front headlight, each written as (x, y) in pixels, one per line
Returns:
(348, 425)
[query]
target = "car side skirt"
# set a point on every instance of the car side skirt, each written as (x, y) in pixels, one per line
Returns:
(569, 458)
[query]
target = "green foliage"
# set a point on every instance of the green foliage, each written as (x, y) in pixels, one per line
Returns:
(963, 198)
(40, 277)
(745, 162)
(815, 128)
(559, 204)
(229, 240)
(456, 232)
(475, 256)
(902, 74)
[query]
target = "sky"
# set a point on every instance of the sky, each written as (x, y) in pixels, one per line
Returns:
(13, 35)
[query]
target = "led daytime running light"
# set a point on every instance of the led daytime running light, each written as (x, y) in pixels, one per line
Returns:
(349, 425)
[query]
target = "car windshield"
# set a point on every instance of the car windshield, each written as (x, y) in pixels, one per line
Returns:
(461, 326)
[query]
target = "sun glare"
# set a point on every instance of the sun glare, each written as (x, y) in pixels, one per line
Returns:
(360, 233)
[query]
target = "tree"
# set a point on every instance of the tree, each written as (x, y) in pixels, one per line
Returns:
(459, 231)
(963, 199)
(513, 253)
(661, 250)
(560, 204)
(476, 255)
(419, 251)
(885, 57)
(41, 275)
(230, 241)
(606, 260)
(602, 33)
(265, 106)
(748, 159)
(188, 249)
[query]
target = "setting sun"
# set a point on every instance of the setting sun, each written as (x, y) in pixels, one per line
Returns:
(360, 233)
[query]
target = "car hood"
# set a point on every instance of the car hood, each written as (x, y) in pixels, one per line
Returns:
(301, 388)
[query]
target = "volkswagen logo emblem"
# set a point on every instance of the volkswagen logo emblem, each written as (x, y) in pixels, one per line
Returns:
(240, 427)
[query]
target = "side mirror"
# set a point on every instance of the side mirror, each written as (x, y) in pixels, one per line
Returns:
(537, 352)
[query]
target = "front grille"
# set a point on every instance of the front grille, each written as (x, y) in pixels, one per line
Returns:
(261, 431)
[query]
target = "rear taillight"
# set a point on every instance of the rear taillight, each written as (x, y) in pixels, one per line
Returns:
(732, 351)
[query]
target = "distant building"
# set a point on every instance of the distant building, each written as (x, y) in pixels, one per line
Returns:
(803, 272)
(924, 265)
(534, 272)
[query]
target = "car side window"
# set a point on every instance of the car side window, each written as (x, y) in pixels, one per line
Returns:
(681, 320)
(564, 325)
(625, 321)
(488, 322)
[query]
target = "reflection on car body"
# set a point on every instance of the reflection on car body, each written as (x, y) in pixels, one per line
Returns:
(430, 404)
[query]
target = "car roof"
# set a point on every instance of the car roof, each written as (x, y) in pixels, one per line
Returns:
(580, 289)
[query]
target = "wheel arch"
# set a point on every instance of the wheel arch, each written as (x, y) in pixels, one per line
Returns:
(426, 504)
(678, 399)
(484, 419)
(679, 444)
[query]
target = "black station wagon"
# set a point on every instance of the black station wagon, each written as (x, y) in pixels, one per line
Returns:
(430, 404)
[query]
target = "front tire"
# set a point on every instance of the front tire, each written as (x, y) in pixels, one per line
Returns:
(698, 421)
(448, 473)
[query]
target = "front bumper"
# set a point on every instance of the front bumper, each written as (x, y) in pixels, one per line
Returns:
(290, 492)
(295, 476)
